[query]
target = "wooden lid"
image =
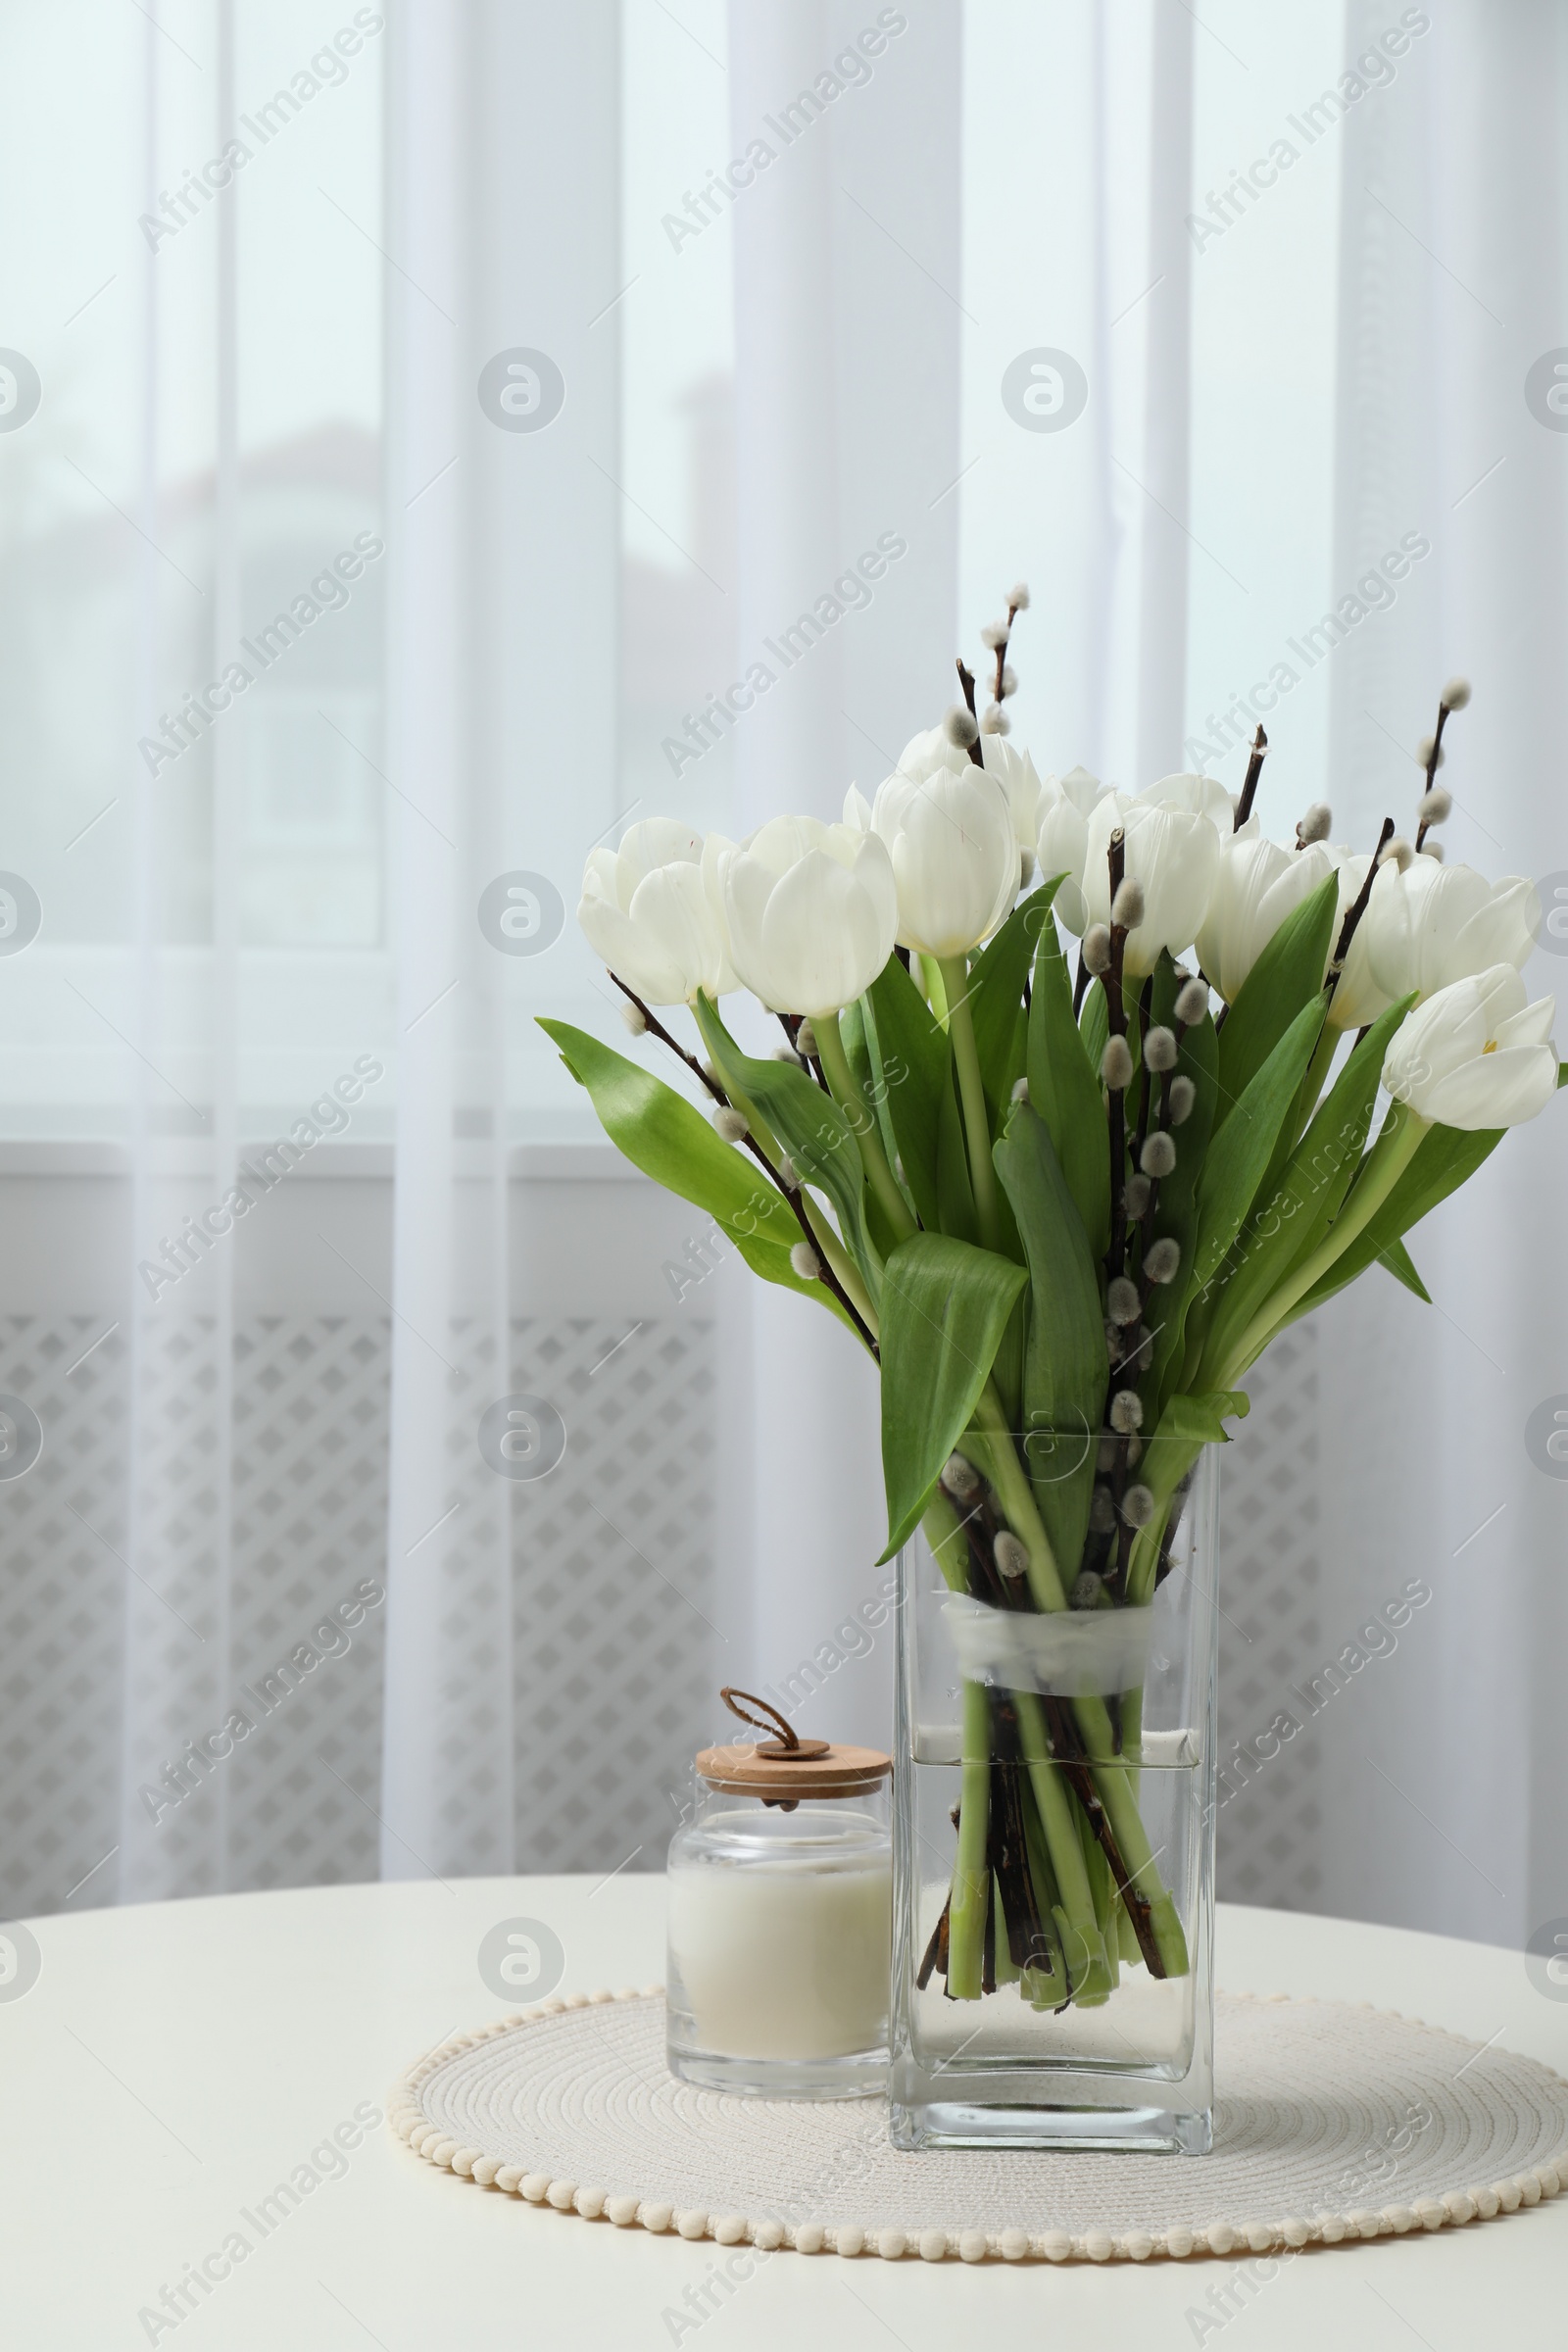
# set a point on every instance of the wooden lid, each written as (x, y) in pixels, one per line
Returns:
(782, 1771)
(771, 1771)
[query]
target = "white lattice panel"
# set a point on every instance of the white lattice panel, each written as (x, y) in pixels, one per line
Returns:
(617, 1656)
(1271, 1632)
(602, 1578)
(62, 1616)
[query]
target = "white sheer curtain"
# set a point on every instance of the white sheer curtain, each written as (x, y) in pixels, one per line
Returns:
(1281, 387)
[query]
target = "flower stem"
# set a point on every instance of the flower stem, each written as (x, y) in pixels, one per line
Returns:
(1116, 1793)
(943, 1532)
(973, 1094)
(971, 1870)
(850, 1101)
(1000, 1463)
(1088, 1969)
(1387, 1163)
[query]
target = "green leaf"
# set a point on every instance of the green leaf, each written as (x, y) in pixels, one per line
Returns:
(1243, 1141)
(1189, 1423)
(859, 1039)
(1065, 1089)
(1094, 1026)
(1444, 1158)
(918, 1065)
(811, 1126)
(1291, 1217)
(662, 1134)
(1234, 1167)
(945, 1306)
(1064, 1373)
(863, 1051)
(1396, 1257)
(996, 1000)
(1286, 976)
(955, 1210)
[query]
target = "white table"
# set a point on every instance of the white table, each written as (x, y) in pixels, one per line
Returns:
(174, 2062)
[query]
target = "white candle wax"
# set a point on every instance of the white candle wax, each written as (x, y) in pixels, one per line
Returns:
(787, 1958)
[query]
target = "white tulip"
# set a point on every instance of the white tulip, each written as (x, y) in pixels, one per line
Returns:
(1198, 795)
(1066, 804)
(1475, 1055)
(1445, 923)
(1357, 996)
(1014, 771)
(950, 833)
(1174, 851)
(649, 912)
(1258, 885)
(930, 754)
(812, 912)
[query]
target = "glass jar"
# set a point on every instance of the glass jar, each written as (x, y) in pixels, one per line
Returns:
(780, 1912)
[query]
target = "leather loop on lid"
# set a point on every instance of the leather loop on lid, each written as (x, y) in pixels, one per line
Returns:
(784, 1770)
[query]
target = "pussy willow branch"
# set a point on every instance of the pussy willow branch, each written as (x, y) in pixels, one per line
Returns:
(1433, 757)
(789, 1023)
(966, 681)
(1255, 769)
(1116, 1020)
(788, 1193)
(1355, 911)
(1145, 1084)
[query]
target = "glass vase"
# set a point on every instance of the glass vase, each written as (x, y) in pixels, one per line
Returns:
(1053, 1858)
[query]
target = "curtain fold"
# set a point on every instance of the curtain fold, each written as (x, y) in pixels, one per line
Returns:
(847, 323)
(1451, 261)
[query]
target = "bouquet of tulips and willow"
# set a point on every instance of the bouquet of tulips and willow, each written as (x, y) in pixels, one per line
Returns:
(1056, 1191)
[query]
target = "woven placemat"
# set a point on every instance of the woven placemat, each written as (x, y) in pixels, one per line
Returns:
(1332, 2124)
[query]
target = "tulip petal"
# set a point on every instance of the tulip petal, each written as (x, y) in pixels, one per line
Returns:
(825, 935)
(629, 951)
(1531, 1027)
(656, 841)
(671, 907)
(746, 884)
(954, 857)
(1500, 1089)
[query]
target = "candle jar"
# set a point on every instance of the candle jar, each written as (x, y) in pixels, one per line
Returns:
(780, 1894)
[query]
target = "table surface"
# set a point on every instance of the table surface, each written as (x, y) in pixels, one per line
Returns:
(174, 2062)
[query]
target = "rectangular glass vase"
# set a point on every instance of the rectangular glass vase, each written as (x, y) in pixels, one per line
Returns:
(1123, 1735)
